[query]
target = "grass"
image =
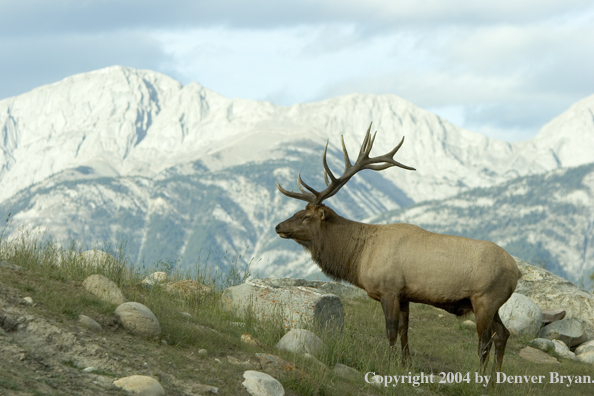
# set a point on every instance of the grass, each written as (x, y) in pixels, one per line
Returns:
(440, 344)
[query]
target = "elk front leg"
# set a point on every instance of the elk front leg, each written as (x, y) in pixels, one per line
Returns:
(391, 307)
(403, 331)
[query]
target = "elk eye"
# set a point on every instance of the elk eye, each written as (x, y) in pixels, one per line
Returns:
(306, 218)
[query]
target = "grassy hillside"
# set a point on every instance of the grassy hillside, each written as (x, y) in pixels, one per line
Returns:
(53, 277)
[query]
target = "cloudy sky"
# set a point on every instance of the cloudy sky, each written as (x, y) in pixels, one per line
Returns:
(500, 68)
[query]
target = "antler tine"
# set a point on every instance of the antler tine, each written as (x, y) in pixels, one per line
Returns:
(376, 162)
(304, 197)
(347, 161)
(334, 184)
(301, 184)
(363, 149)
(327, 171)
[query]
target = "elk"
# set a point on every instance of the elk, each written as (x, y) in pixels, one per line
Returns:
(401, 263)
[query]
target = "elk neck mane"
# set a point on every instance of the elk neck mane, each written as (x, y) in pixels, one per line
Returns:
(337, 247)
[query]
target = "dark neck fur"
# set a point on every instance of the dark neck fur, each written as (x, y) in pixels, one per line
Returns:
(338, 247)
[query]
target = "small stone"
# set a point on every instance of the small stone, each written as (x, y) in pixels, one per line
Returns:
(301, 341)
(536, 356)
(248, 339)
(140, 385)
(89, 323)
(90, 369)
(469, 323)
(262, 384)
(345, 371)
(29, 300)
(138, 319)
(187, 315)
(104, 289)
(202, 388)
(202, 352)
(377, 380)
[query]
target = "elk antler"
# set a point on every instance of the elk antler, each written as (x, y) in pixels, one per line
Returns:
(334, 184)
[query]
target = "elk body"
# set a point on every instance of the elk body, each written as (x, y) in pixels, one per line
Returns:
(401, 263)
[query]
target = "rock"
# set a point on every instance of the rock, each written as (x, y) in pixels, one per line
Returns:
(188, 287)
(522, 314)
(315, 361)
(248, 339)
(586, 357)
(469, 323)
(570, 331)
(298, 307)
(246, 365)
(140, 385)
(544, 344)
(104, 288)
(202, 352)
(345, 371)
(261, 384)
(376, 380)
(552, 315)
(89, 323)
(278, 367)
(156, 278)
(550, 292)
(206, 388)
(28, 300)
(585, 347)
(341, 290)
(138, 319)
(301, 341)
(562, 350)
(536, 356)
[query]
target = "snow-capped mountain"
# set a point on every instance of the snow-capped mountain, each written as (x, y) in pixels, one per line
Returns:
(132, 155)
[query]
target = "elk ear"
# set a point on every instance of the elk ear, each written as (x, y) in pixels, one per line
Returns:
(322, 213)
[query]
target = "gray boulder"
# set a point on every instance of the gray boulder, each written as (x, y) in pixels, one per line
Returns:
(262, 384)
(521, 314)
(586, 357)
(138, 319)
(570, 331)
(104, 288)
(301, 341)
(551, 292)
(140, 385)
(298, 306)
(342, 290)
(89, 323)
(585, 347)
(562, 350)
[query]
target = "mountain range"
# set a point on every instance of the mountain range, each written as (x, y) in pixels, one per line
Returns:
(184, 174)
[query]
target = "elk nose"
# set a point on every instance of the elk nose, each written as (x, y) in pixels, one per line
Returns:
(277, 227)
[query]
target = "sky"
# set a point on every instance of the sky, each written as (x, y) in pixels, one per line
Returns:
(503, 69)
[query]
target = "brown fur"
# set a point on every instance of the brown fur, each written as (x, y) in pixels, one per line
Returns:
(401, 263)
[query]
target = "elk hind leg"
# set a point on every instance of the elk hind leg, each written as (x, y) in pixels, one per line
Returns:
(500, 336)
(484, 320)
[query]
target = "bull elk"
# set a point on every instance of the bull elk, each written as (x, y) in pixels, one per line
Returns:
(401, 263)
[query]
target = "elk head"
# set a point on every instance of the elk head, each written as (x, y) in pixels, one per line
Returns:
(303, 224)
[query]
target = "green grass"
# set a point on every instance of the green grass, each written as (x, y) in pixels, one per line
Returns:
(439, 342)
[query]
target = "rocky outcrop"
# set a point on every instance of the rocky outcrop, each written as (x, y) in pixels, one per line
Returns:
(296, 306)
(104, 288)
(551, 292)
